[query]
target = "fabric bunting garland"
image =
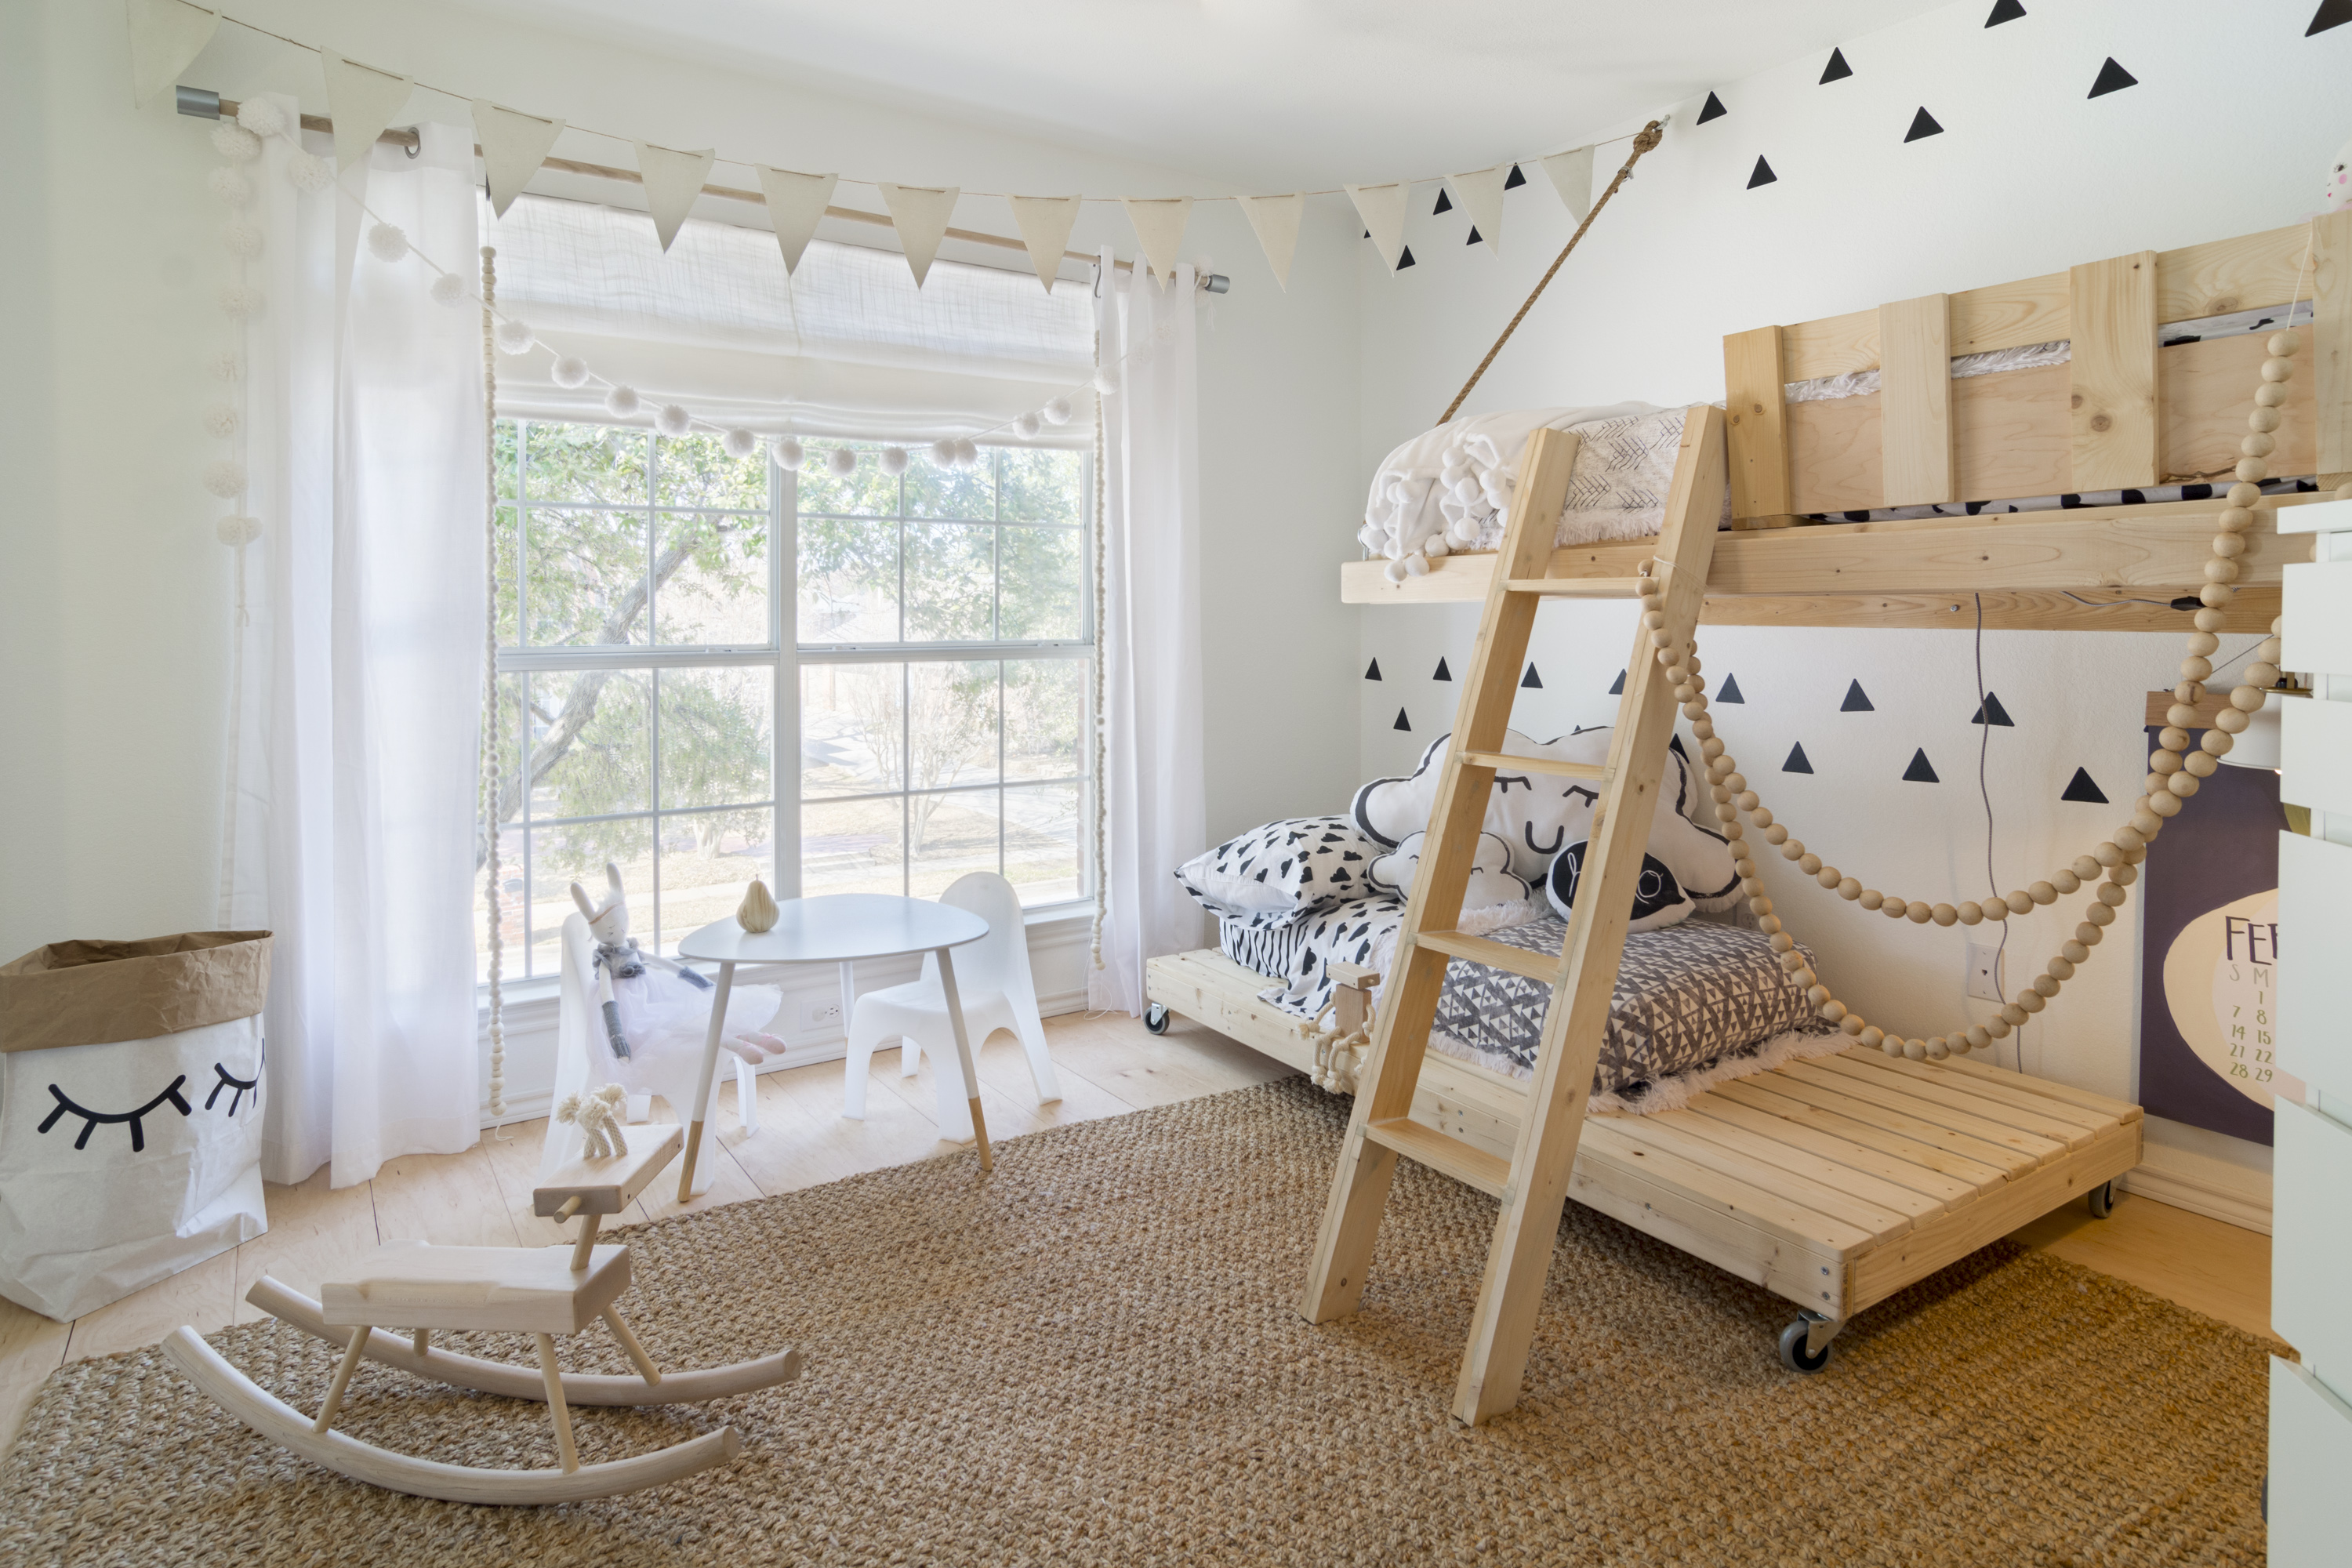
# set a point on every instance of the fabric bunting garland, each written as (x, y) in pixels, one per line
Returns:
(361, 101)
(673, 180)
(1571, 176)
(166, 36)
(795, 205)
(1480, 195)
(1160, 225)
(514, 145)
(1382, 209)
(921, 216)
(1046, 223)
(1275, 220)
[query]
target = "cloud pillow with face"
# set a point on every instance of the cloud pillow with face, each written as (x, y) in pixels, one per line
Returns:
(1491, 881)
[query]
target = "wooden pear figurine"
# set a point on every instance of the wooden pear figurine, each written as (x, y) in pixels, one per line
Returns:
(758, 911)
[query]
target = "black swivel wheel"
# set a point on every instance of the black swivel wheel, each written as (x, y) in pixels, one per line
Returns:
(1793, 1354)
(1155, 1018)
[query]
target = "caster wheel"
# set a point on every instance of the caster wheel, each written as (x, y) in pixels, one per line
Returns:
(2101, 1200)
(1155, 1018)
(1793, 1349)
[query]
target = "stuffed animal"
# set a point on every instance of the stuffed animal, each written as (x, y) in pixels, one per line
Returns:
(598, 1114)
(2335, 192)
(618, 956)
(644, 994)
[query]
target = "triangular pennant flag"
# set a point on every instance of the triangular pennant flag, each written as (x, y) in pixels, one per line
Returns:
(1482, 197)
(1855, 701)
(1475, 235)
(1571, 176)
(2082, 787)
(796, 205)
(362, 101)
(1443, 673)
(2004, 11)
(1517, 179)
(165, 37)
(1763, 174)
(673, 180)
(1730, 692)
(2331, 13)
(1382, 209)
(1046, 223)
(1991, 712)
(1406, 260)
(1797, 762)
(1444, 204)
(1836, 70)
(1712, 110)
(1923, 124)
(1531, 679)
(1617, 687)
(1274, 221)
(1160, 227)
(1401, 723)
(514, 145)
(920, 214)
(1920, 772)
(1372, 671)
(2113, 77)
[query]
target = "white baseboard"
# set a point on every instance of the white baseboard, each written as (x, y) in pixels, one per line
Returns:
(2229, 1202)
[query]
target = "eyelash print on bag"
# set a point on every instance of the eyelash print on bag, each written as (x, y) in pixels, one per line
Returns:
(90, 1119)
(242, 1085)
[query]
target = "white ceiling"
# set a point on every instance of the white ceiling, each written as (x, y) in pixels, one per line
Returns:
(1261, 93)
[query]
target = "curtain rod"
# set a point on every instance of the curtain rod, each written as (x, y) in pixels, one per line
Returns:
(207, 105)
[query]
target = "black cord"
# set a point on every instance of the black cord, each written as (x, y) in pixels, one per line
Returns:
(1984, 747)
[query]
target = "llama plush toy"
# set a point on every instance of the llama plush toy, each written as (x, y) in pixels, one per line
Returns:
(2335, 194)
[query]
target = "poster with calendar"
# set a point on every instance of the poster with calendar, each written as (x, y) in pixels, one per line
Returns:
(2210, 955)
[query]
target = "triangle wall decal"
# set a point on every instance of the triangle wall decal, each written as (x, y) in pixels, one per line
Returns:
(1401, 723)
(2005, 11)
(1372, 670)
(1617, 687)
(1406, 260)
(1443, 673)
(1923, 124)
(2113, 77)
(1515, 180)
(1763, 174)
(1797, 762)
(1919, 772)
(1531, 679)
(1475, 235)
(1855, 702)
(1444, 203)
(2082, 787)
(1991, 712)
(1713, 109)
(1730, 691)
(1836, 70)
(2331, 13)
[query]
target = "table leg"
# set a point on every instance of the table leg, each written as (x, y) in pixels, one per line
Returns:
(702, 1083)
(964, 1053)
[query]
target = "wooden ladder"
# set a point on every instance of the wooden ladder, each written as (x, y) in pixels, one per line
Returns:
(1533, 1185)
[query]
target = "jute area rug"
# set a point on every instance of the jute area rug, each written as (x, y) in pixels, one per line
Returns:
(1094, 1357)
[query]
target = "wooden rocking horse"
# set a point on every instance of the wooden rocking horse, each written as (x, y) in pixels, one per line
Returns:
(542, 1291)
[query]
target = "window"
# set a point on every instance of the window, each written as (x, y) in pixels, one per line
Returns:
(932, 670)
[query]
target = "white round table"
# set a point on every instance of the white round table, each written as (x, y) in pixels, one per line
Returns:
(838, 927)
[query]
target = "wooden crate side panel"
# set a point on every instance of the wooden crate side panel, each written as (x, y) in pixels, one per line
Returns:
(1754, 424)
(1795, 1273)
(2113, 373)
(1916, 402)
(2327, 366)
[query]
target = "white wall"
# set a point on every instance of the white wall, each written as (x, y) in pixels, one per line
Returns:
(117, 606)
(2029, 176)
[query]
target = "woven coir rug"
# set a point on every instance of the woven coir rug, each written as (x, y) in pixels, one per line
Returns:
(1093, 1356)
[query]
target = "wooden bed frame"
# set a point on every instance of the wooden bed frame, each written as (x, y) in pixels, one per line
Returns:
(2123, 413)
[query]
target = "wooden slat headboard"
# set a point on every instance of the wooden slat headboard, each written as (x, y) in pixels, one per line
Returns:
(2122, 413)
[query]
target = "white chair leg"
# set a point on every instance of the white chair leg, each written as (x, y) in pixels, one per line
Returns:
(947, 1078)
(747, 1097)
(1031, 1030)
(860, 1063)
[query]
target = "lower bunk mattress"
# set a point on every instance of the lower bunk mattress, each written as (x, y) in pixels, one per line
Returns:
(1695, 1004)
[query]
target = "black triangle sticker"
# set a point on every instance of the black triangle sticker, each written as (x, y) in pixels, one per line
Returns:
(1406, 260)
(1763, 174)
(2113, 77)
(1837, 70)
(1616, 686)
(1372, 671)
(1475, 235)
(2081, 787)
(1444, 203)
(1401, 723)
(1991, 712)
(1367, 234)
(1923, 124)
(1713, 109)
(1443, 673)
(2331, 13)
(1797, 762)
(1513, 180)
(1919, 772)
(2005, 11)
(1730, 691)
(1855, 702)
(1532, 679)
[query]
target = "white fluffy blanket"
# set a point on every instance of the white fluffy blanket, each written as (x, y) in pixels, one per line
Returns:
(1446, 484)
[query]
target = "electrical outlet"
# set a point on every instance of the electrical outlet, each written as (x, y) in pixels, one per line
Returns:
(1984, 971)
(825, 1012)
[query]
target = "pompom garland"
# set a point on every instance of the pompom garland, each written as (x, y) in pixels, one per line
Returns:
(570, 371)
(238, 301)
(225, 476)
(261, 117)
(449, 289)
(513, 337)
(1057, 412)
(1028, 424)
(231, 139)
(225, 366)
(237, 529)
(943, 452)
(787, 452)
(220, 420)
(894, 461)
(672, 420)
(622, 401)
(307, 173)
(841, 462)
(387, 241)
(229, 185)
(242, 240)
(737, 443)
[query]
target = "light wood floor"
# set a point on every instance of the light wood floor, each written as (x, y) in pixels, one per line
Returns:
(1108, 1066)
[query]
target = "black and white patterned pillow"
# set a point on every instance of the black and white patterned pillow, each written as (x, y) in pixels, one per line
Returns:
(1282, 872)
(1658, 900)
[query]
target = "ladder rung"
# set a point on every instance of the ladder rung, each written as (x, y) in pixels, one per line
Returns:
(1505, 762)
(1466, 1163)
(1494, 954)
(1577, 587)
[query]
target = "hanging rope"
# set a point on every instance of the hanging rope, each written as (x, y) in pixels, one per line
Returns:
(491, 749)
(1648, 137)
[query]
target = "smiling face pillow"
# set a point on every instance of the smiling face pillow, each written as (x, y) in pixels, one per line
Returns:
(1541, 815)
(1491, 881)
(1658, 900)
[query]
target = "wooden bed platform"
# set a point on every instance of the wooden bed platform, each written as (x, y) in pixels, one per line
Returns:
(1833, 1182)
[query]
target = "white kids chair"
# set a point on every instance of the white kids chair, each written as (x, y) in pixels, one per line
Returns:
(993, 985)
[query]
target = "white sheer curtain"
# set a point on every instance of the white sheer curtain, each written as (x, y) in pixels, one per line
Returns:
(353, 720)
(1150, 636)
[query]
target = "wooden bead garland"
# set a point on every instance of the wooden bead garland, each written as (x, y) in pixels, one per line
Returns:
(2175, 771)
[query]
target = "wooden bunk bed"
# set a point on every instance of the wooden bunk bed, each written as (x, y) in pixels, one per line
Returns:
(1834, 1182)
